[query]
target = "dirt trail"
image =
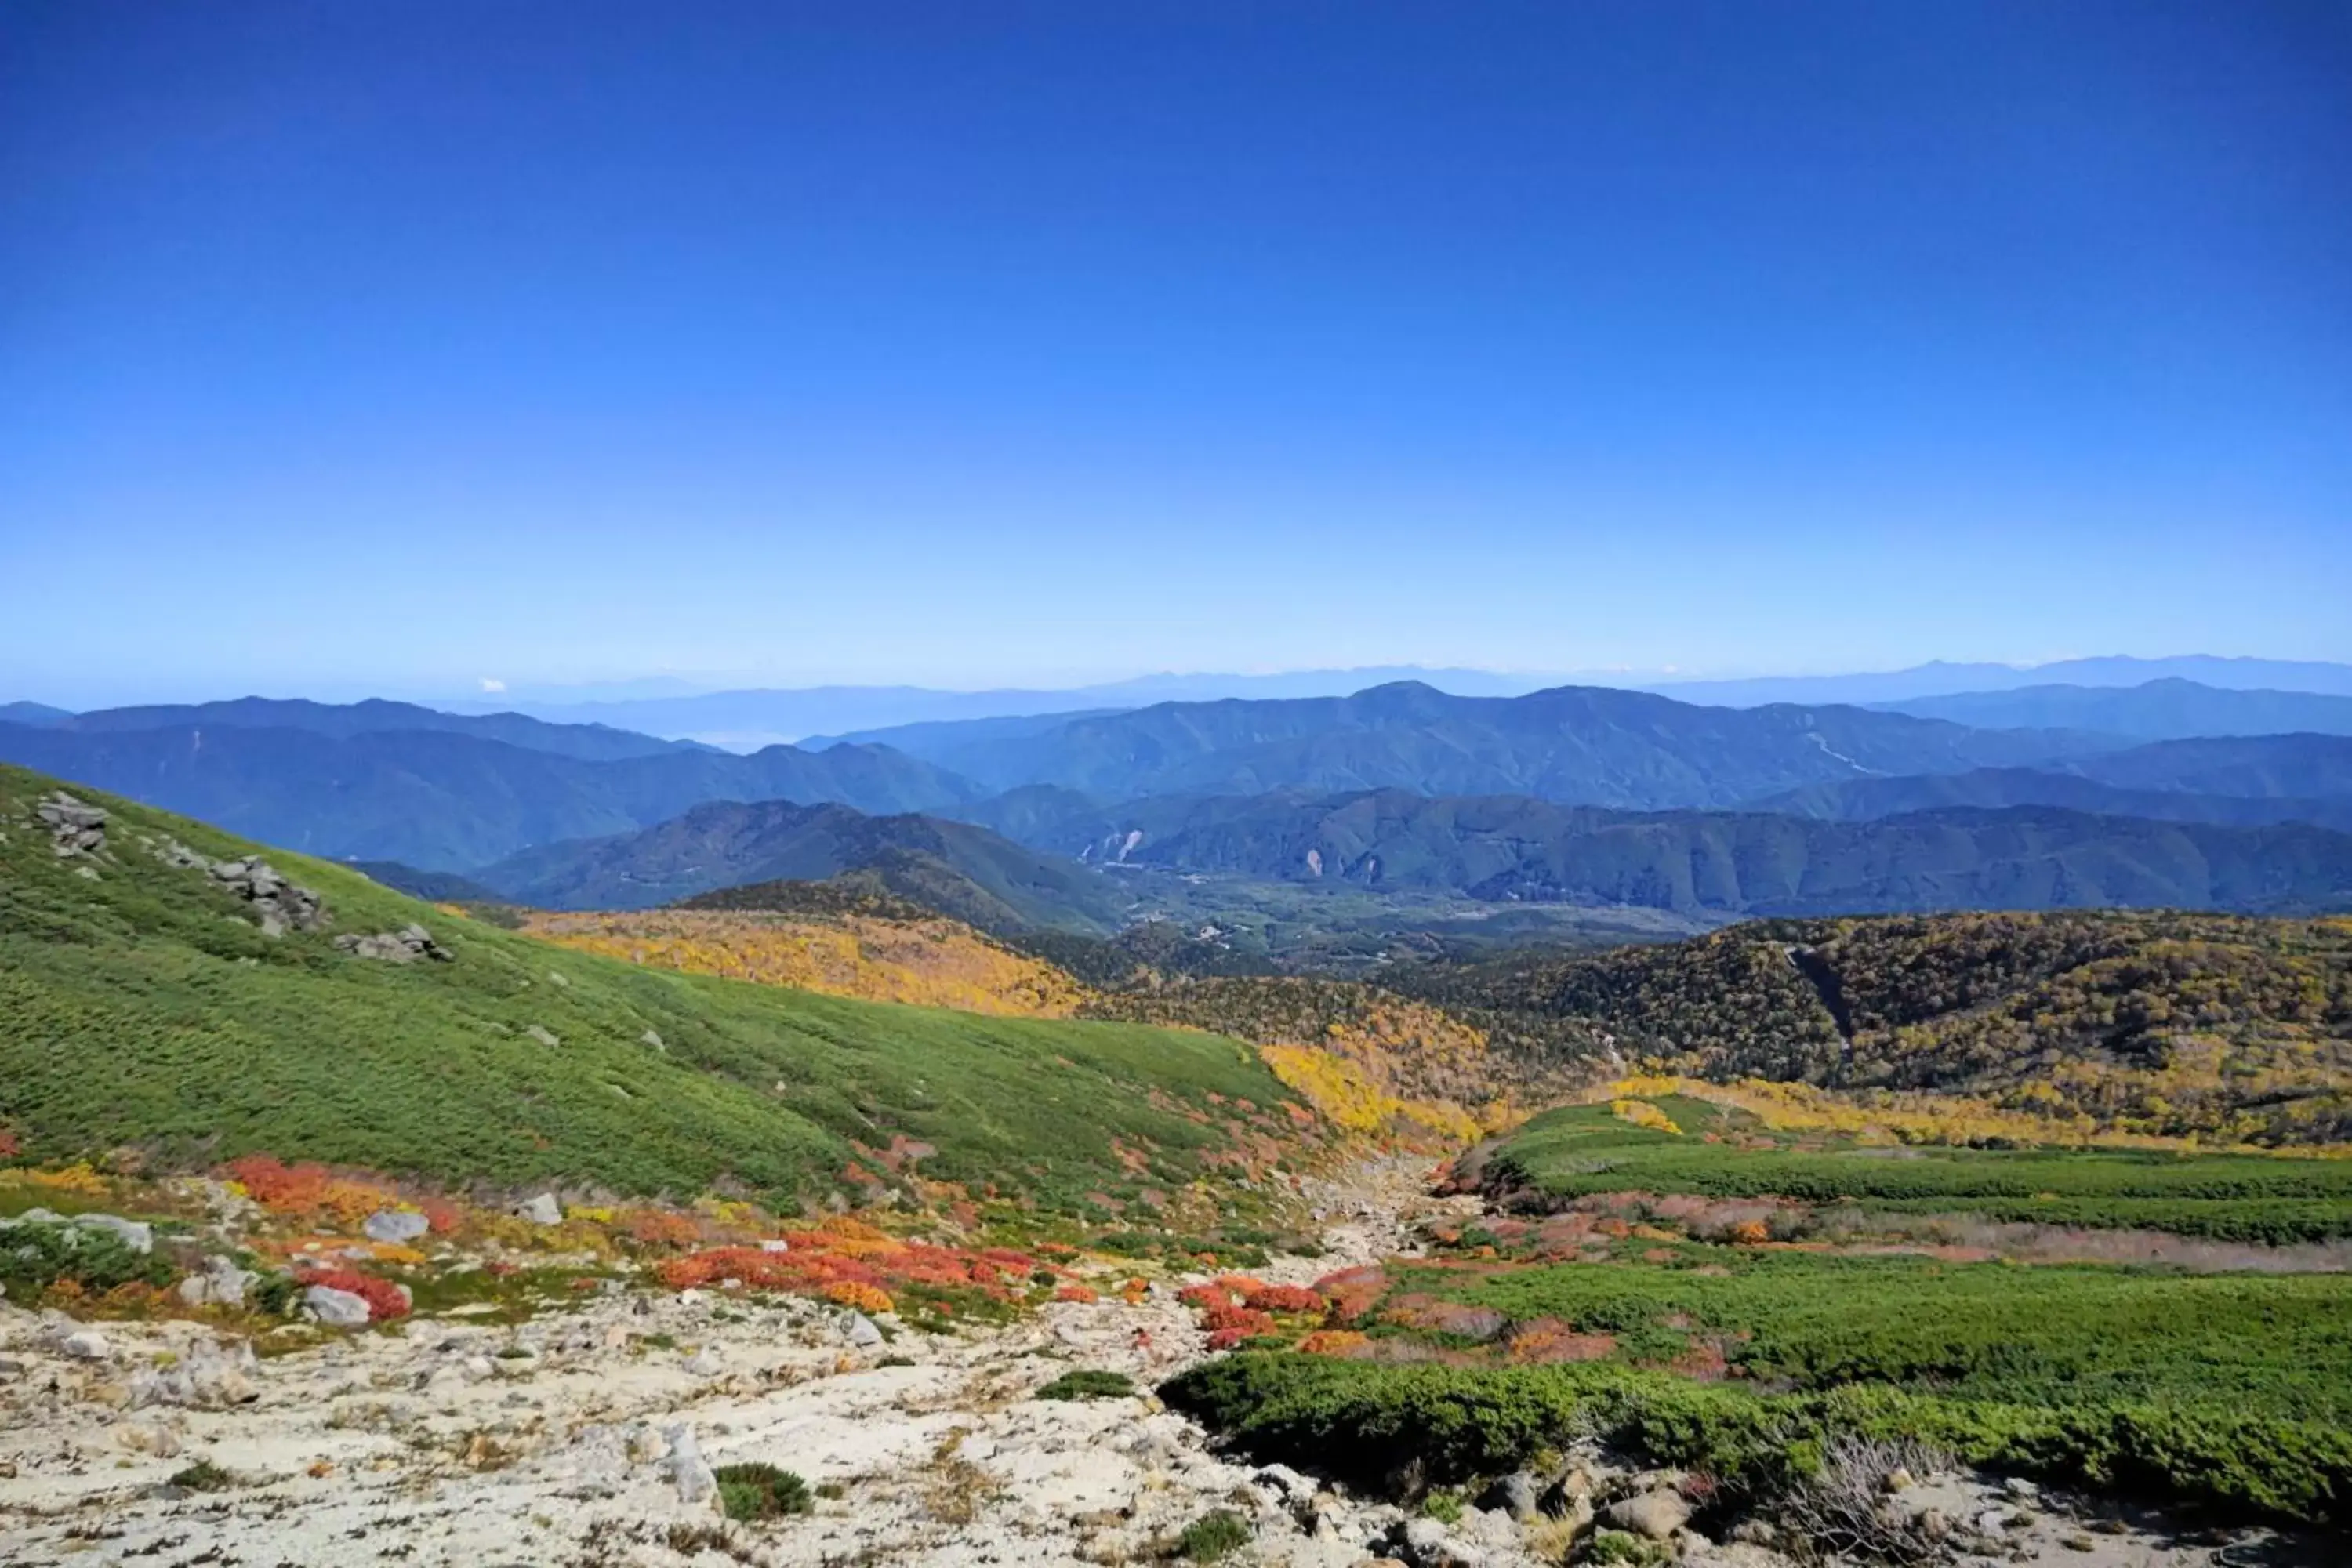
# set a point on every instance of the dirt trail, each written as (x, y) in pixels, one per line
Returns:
(565, 1441)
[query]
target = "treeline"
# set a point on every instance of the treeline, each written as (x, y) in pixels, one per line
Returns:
(2159, 1021)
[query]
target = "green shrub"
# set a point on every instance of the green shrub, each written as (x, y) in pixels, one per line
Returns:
(1617, 1546)
(1089, 1385)
(1369, 1419)
(204, 1476)
(35, 1255)
(1213, 1537)
(752, 1492)
(1444, 1506)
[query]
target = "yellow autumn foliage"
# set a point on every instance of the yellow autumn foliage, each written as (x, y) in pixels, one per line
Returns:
(927, 964)
(1641, 1113)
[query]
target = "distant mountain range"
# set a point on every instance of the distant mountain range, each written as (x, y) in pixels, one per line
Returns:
(1584, 794)
(1940, 680)
(960, 869)
(1508, 848)
(764, 717)
(442, 801)
(587, 742)
(2166, 709)
(1587, 744)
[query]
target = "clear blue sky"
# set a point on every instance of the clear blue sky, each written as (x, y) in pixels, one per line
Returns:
(396, 344)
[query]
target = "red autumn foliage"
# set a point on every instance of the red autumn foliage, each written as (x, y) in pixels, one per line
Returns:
(1283, 1299)
(844, 1256)
(1547, 1340)
(1353, 1292)
(383, 1297)
(9, 1147)
(1079, 1293)
(1205, 1296)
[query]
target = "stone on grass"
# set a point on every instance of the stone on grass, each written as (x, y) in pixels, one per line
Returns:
(542, 1210)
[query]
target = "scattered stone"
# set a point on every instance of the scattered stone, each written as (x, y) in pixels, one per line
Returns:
(775, 1244)
(1515, 1494)
(543, 1034)
(209, 1376)
(706, 1363)
(87, 1344)
(336, 1309)
(406, 946)
(541, 1210)
(1654, 1514)
(279, 905)
(1899, 1478)
(76, 827)
(861, 1331)
(688, 1472)
(395, 1225)
(653, 1039)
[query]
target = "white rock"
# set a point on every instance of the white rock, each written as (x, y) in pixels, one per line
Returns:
(695, 1483)
(337, 1308)
(88, 1344)
(136, 1235)
(861, 1331)
(394, 1225)
(542, 1210)
(775, 1244)
(706, 1363)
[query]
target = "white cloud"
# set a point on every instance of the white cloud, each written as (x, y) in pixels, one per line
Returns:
(491, 685)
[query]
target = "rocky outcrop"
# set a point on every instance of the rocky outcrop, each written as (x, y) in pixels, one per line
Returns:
(76, 827)
(406, 946)
(279, 905)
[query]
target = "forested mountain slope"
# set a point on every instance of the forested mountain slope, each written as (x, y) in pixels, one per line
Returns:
(1513, 848)
(1592, 745)
(965, 871)
(587, 742)
(444, 801)
(2161, 1020)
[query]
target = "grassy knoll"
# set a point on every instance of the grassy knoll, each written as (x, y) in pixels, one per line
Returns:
(142, 1007)
(1584, 1150)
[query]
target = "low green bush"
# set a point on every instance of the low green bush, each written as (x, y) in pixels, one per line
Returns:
(1366, 1420)
(35, 1255)
(751, 1491)
(1213, 1537)
(1089, 1384)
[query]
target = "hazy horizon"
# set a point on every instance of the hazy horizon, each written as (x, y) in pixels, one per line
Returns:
(401, 348)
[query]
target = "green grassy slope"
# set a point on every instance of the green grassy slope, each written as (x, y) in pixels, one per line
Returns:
(145, 1008)
(1578, 1151)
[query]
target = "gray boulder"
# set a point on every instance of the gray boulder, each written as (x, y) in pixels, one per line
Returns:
(406, 946)
(542, 1210)
(278, 904)
(1654, 1514)
(861, 1331)
(336, 1309)
(76, 827)
(687, 1472)
(394, 1225)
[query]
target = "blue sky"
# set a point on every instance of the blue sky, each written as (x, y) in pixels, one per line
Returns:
(395, 345)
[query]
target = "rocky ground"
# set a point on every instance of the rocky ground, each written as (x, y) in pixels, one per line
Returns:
(588, 1438)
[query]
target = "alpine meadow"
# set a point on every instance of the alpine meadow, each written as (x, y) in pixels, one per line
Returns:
(835, 787)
